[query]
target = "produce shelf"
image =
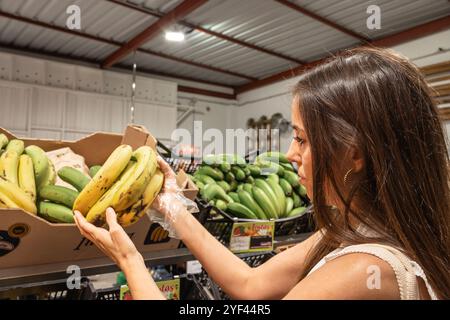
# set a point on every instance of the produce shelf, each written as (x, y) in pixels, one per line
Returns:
(29, 278)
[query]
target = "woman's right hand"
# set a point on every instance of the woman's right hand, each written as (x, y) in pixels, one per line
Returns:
(168, 201)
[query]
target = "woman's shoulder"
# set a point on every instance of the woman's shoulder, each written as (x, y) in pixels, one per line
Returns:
(355, 275)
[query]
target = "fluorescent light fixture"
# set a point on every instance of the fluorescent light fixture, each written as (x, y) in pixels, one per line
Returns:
(174, 36)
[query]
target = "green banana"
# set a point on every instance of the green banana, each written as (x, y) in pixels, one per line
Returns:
(229, 177)
(289, 206)
(74, 177)
(3, 140)
(233, 185)
(301, 190)
(40, 164)
(224, 185)
(265, 203)
(238, 173)
(273, 156)
(297, 212)
(240, 211)
(55, 212)
(287, 166)
(255, 171)
(210, 160)
(225, 167)
(264, 186)
(297, 200)
(58, 194)
(200, 184)
(247, 200)
(279, 193)
(268, 167)
(16, 145)
(234, 196)
(250, 179)
(211, 172)
(221, 205)
(248, 187)
(231, 159)
(246, 171)
(274, 177)
(51, 179)
(287, 188)
(203, 178)
(213, 191)
(93, 170)
(291, 177)
(240, 187)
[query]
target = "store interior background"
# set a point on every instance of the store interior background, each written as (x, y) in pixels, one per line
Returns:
(58, 100)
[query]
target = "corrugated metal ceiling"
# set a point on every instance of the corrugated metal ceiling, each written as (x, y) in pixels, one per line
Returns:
(263, 23)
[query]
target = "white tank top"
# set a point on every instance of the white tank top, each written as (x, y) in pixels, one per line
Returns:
(406, 270)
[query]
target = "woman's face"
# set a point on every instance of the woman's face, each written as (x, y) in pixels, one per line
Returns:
(300, 151)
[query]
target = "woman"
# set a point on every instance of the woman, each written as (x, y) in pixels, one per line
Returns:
(371, 152)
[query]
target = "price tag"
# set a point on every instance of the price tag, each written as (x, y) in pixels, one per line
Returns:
(170, 289)
(193, 267)
(252, 236)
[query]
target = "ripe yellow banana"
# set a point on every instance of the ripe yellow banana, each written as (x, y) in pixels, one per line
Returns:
(6, 202)
(104, 179)
(134, 187)
(26, 176)
(10, 164)
(17, 195)
(96, 215)
(128, 217)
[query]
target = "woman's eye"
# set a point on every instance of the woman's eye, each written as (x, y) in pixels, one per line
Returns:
(299, 140)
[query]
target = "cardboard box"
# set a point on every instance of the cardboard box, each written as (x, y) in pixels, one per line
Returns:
(190, 190)
(26, 239)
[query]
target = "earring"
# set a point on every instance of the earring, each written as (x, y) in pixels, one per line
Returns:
(347, 174)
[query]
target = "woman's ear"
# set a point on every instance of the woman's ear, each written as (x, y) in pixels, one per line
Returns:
(357, 159)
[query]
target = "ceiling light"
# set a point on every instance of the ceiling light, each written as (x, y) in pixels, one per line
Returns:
(174, 36)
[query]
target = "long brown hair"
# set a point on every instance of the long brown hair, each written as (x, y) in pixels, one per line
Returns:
(378, 102)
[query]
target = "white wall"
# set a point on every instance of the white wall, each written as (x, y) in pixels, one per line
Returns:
(277, 97)
(47, 99)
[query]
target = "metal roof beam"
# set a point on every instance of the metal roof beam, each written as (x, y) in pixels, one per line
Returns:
(323, 20)
(391, 40)
(119, 44)
(210, 32)
(179, 12)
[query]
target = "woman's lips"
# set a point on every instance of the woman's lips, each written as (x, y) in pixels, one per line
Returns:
(302, 179)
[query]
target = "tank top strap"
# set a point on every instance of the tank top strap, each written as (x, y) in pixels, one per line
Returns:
(405, 269)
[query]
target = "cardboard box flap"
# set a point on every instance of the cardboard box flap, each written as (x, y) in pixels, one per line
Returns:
(182, 179)
(190, 189)
(137, 135)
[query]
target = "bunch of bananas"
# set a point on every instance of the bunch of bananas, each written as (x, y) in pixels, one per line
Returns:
(23, 171)
(128, 182)
(267, 189)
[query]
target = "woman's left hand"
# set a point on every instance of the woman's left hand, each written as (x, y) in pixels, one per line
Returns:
(114, 242)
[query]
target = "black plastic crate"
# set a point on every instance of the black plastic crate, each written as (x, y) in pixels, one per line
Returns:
(220, 223)
(202, 287)
(48, 291)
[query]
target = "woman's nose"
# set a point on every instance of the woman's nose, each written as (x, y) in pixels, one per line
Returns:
(292, 154)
